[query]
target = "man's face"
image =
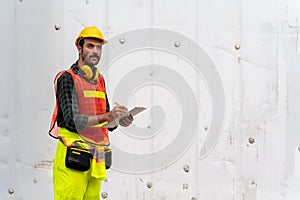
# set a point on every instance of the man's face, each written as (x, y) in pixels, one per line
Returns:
(91, 51)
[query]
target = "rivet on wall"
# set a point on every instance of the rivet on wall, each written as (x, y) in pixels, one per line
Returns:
(193, 198)
(57, 27)
(104, 195)
(299, 148)
(177, 44)
(122, 40)
(11, 190)
(185, 186)
(237, 46)
(253, 182)
(149, 184)
(251, 140)
(186, 168)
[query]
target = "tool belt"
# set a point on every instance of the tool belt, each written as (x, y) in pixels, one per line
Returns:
(80, 159)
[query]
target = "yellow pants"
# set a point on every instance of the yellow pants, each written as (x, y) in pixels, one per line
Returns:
(71, 184)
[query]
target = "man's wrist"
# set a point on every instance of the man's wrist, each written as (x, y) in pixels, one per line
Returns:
(107, 117)
(100, 119)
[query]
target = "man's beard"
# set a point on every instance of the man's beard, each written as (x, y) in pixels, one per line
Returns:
(87, 60)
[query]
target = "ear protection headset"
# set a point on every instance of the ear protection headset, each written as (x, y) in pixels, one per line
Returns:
(90, 73)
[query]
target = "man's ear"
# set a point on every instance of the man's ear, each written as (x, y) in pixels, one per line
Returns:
(79, 49)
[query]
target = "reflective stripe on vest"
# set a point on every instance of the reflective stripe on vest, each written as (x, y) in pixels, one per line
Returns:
(93, 94)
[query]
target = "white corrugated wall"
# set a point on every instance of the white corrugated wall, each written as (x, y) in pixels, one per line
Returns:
(219, 79)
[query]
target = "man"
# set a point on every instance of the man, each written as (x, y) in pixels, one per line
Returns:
(81, 111)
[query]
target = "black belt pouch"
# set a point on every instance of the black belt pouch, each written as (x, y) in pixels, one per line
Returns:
(78, 159)
(108, 156)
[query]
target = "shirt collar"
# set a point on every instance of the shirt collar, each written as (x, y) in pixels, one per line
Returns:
(76, 69)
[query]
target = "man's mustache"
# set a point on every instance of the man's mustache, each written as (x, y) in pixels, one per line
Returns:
(95, 56)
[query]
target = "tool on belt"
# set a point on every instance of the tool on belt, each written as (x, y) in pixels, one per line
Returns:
(79, 159)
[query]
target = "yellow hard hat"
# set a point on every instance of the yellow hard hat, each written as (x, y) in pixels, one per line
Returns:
(90, 32)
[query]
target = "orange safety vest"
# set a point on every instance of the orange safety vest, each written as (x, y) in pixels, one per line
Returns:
(91, 101)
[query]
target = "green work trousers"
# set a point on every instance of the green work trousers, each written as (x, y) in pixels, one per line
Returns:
(71, 184)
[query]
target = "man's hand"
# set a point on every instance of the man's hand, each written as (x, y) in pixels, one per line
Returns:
(121, 115)
(118, 111)
(126, 120)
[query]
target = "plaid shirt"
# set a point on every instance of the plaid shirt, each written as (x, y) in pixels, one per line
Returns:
(68, 113)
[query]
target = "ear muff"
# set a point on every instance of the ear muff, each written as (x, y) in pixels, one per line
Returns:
(96, 73)
(90, 73)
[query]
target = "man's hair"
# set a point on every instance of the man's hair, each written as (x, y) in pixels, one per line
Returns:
(81, 41)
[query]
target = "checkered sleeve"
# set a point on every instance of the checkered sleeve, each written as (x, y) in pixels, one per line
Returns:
(68, 103)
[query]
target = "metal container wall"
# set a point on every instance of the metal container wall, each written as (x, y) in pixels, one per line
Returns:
(219, 80)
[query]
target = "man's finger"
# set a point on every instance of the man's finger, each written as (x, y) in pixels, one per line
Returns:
(122, 123)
